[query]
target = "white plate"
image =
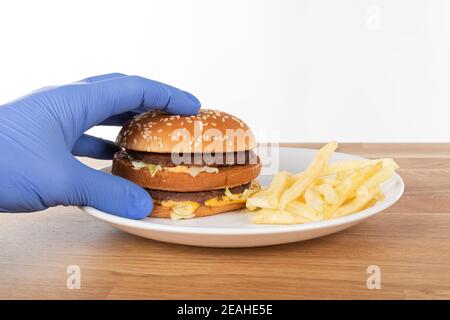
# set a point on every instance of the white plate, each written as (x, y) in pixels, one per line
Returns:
(234, 229)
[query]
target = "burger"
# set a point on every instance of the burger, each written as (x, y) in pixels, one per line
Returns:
(192, 166)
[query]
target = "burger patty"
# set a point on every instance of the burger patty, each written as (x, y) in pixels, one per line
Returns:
(200, 196)
(196, 159)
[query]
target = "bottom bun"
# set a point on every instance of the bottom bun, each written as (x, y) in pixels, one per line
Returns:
(160, 211)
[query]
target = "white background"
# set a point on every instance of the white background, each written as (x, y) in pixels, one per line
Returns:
(361, 70)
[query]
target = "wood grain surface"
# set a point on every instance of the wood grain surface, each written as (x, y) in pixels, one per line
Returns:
(410, 242)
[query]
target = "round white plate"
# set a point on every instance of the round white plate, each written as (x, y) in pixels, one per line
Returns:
(234, 229)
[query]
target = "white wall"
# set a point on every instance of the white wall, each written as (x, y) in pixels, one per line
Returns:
(351, 70)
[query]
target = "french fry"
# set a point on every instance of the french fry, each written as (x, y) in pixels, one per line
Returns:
(373, 201)
(323, 191)
(281, 181)
(313, 199)
(327, 191)
(309, 175)
(377, 179)
(345, 165)
(258, 200)
(274, 216)
(332, 179)
(349, 165)
(356, 204)
(388, 162)
(367, 191)
(348, 187)
(300, 208)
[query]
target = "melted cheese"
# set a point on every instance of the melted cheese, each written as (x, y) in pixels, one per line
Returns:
(217, 202)
(154, 168)
(193, 171)
(138, 164)
(229, 197)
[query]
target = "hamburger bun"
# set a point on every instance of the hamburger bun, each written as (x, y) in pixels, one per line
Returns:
(208, 131)
(227, 176)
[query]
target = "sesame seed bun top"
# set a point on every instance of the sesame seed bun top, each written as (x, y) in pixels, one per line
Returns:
(208, 131)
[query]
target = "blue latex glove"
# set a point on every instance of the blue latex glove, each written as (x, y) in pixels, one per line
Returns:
(41, 133)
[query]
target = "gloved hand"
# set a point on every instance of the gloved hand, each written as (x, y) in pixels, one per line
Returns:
(41, 133)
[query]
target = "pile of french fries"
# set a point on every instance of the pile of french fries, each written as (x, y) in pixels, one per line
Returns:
(323, 191)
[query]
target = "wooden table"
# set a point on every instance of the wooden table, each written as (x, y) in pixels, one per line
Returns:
(410, 242)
